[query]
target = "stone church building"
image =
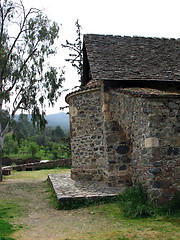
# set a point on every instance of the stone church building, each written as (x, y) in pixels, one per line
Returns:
(125, 119)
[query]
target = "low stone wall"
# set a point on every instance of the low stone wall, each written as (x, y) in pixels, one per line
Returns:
(6, 171)
(42, 165)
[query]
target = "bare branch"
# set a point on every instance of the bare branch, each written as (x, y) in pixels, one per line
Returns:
(22, 25)
(21, 69)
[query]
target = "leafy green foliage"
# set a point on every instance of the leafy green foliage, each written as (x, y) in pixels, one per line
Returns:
(26, 141)
(27, 82)
(22, 129)
(23, 59)
(33, 148)
(136, 203)
(173, 207)
(57, 133)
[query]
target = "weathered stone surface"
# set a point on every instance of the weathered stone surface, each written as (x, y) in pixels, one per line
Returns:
(151, 142)
(162, 184)
(123, 167)
(155, 170)
(157, 164)
(125, 159)
(43, 165)
(122, 149)
(172, 151)
(67, 189)
(136, 140)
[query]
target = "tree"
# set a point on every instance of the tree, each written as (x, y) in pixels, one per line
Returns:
(22, 129)
(33, 148)
(76, 58)
(27, 82)
(10, 146)
(57, 134)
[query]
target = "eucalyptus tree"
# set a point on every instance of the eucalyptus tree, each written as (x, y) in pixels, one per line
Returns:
(27, 81)
(75, 48)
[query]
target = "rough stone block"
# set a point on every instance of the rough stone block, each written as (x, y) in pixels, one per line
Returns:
(123, 167)
(151, 142)
(172, 151)
(122, 149)
(155, 170)
(107, 116)
(73, 110)
(106, 98)
(157, 163)
(105, 107)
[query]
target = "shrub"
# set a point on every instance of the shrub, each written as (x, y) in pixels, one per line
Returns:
(135, 202)
(33, 148)
(173, 207)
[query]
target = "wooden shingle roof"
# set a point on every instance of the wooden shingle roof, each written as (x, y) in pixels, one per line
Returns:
(108, 57)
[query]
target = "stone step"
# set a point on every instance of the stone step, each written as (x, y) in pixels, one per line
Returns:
(67, 190)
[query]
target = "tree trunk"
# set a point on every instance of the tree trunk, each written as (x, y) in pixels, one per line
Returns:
(2, 136)
(1, 150)
(1, 163)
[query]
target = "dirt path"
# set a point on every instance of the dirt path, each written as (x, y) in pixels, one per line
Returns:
(28, 194)
(42, 222)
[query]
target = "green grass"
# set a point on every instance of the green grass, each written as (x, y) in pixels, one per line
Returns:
(37, 174)
(133, 203)
(155, 227)
(136, 203)
(162, 224)
(8, 211)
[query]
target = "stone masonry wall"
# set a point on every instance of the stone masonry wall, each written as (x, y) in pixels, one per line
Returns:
(116, 168)
(148, 148)
(86, 123)
(123, 140)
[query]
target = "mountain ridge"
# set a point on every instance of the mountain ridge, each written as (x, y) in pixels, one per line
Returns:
(56, 119)
(61, 119)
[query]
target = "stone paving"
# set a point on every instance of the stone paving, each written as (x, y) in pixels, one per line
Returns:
(66, 189)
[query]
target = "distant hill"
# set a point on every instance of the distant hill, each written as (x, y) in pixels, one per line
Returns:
(61, 119)
(54, 120)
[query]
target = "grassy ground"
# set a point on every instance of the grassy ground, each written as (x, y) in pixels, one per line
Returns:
(26, 213)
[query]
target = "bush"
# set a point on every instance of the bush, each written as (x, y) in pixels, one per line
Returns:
(173, 207)
(135, 202)
(33, 148)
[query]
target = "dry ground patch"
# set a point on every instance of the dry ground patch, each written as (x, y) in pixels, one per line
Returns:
(41, 221)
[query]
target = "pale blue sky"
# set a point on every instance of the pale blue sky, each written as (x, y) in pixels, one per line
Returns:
(149, 18)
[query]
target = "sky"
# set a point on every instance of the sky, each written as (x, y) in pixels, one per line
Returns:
(148, 18)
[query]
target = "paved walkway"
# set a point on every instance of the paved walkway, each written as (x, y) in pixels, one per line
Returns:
(66, 189)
